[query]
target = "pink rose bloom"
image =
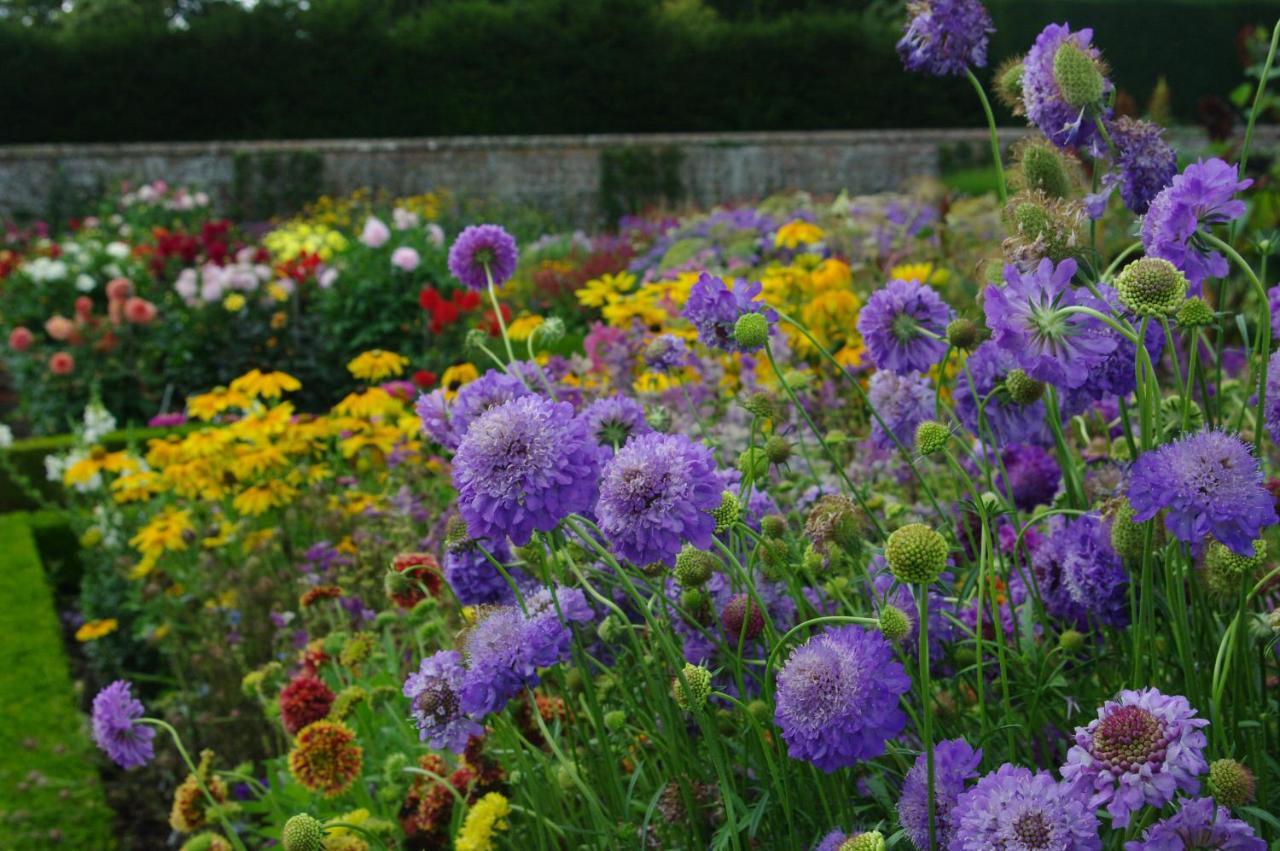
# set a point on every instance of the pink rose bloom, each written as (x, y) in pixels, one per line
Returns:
(405, 258)
(84, 307)
(139, 311)
(327, 278)
(21, 338)
(59, 327)
(62, 363)
(118, 289)
(375, 233)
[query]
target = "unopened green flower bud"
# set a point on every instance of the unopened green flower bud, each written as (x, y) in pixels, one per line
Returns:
(895, 624)
(566, 777)
(872, 840)
(1078, 76)
(1071, 641)
(1008, 84)
(1226, 571)
(1152, 287)
(777, 449)
(303, 833)
(813, 561)
(1127, 536)
(694, 566)
(963, 333)
(836, 521)
(550, 332)
(658, 418)
(1046, 168)
(760, 711)
(475, 341)
(1194, 313)
(456, 535)
(694, 691)
(916, 554)
(751, 331)
(761, 405)
(773, 554)
(1022, 388)
(1231, 783)
(615, 720)
(753, 463)
(610, 629)
(931, 437)
(727, 513)
(773, 526)
(694, 600)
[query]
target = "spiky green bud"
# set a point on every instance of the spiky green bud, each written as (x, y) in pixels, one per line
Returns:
(1071, 641)
(475, 341)
(728, 511)
(1127, 536)
(694, 600)
(615, 720)
(760, 711)
(456, 535)
(694, 691)
(1022, 388)
(773, 554)
(761, 405)
(1231, 783)
(550, 332)
(694, 566)
(658, 418)
(1194, 313)
(916, 554)
(962, 333)
(1225, 570)
(751, 331)
(872, 840)
(773, 526)
(777, 449)
(895, 624)
(931, 437)
(1078, 76)
(1046, 168)
(1152, 286)
(303, 833)
(1008, 84)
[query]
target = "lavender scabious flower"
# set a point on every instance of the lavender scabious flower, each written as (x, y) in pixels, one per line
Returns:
(904, 326)
(1029, 475)
(1199, 824)
(1145, 165)
(1209, 483)
(116, 729)
(1079, 575)
(481, 253)
(1008, 421)
(433, 412)
(667, 352)
(902, 401)
(474, 579)
(1202, 196)
(523, 466)
(1272, 412)
(954, 763)
(446, 423)
(436, 708)
(1027, 319)
(832, 841)
(945, 37)
(1065, 125)
(507, 647)
(656, 495)
(1141, 750)
(714, 309)
(612, 421)
(1014, 809)
(837, 697)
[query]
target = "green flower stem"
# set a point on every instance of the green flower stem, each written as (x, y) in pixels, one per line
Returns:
(1125, 330)
(542, 375)
(1193, 360)
(1070, 477)
(1106, 276)
(232, 836)
(497, 314)
(926, 699)
(1257, 101)
(1263, 344)
(1001, 185)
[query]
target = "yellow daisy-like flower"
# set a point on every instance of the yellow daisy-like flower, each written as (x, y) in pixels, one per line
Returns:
(233, 303)
(921, 273)
(485, 818)
(258, 499)
(523, 328)
(225, 532)
(255, 541)
(605, 289)
(93, 630)
(797, 232)
(456, 376)
(137, 487)
(277, 291)
(265, 385)
(367, 403)
(832, 273)
(206, 406)
(376, 364)
(166, 532)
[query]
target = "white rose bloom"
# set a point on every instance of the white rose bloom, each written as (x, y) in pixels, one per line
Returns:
(85, 283)
(118, 250)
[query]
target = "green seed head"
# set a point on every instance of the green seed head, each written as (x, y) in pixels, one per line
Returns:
(550, 332)
(753, 463)
(773, 526)
(895, 624)
(872, 840)
(834, 520)
(1071, 640)
(1226, 571)
(694, 567)
(1231, 783)
(1152, 287)
(1194, 313)
(777, 449)
(931, 437)
(1078, 76)
(1126, 535)
(762, 405)
(751, 330)
(694, 691)
(916, 554)
(1047, 169)
(303, 833)
(1008, 84)
(615, 720)
(728, 512)
(1022, 388)
(962, 333)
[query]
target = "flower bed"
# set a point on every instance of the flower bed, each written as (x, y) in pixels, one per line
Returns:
(842, 523)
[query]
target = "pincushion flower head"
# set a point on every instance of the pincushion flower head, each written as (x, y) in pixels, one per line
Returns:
(902, 401)
(1208, 483)
(1063, 85)
(446, 422)
(714, 309)
(523, 466)
(1199, 198)
(657, 494)
(116, 729)
(482, 253)
(837, 697)
(1199, 824)
(1079, 575)
(436, 706)
(666, 353)
(1027, 319)
(1141, 751)
(1145, 163)
(904, 326)
(1008, 421)
(955, 763)
(945, 37)
(612, 421)
(1016, 810)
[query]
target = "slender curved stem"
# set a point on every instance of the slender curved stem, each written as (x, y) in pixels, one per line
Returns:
(995, 137)
(1263, 345)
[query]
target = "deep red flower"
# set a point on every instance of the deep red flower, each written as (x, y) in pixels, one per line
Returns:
(422, 570)
(423, 378)
(304, 700)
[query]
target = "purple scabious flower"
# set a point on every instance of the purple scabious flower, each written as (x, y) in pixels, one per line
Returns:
(1014, 809)
(1272, 412)
(1026, 319)
(1198, 824)
(436, 708)
(506, 648)
(714, 309)
(903, 401)
(446, 423)
(474, 579)
(832, 841)
(656, 494)
(1141, 750)
(433, 412)
(523, 466)
(903, 325)
(116, 729)
(1008, 421)
(1144, 166)
(1202, 196)
(612, 421)
(1033, 475)
(954, 763)
(1079, 575)
(482, 252)
(1209, 483)
(945, 37)
(1065, 125)
(837, 697)
(667, 352)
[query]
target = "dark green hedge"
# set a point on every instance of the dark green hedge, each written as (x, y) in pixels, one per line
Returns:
(353, 68)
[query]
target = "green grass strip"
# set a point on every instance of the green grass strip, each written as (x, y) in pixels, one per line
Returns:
(50, 792)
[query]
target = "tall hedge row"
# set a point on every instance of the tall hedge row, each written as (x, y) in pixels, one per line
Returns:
(554, 66)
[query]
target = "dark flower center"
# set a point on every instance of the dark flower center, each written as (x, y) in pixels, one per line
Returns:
(1129, 737)
(1032, 830)
(437, 702)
